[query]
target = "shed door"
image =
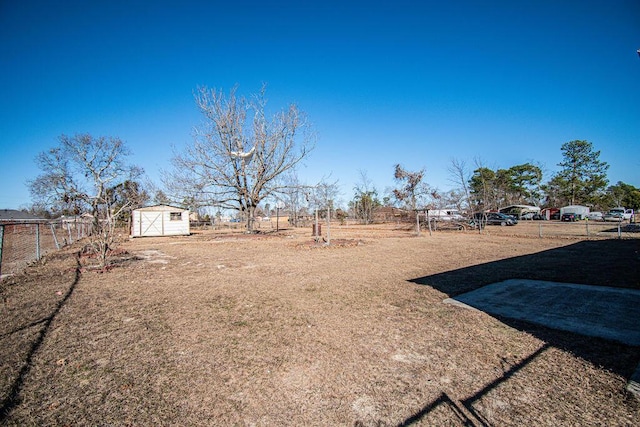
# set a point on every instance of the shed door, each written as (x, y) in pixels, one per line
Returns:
(151, 224)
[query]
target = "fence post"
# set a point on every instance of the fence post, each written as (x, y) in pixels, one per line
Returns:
(69, 230)
(37, 242)
(1, 243)
(587, 227)
(619, 230)
(55, 238)
(540, 230)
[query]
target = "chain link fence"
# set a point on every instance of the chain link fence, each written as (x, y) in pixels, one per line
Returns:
(585, 229)
(22, 243)
(548, 229)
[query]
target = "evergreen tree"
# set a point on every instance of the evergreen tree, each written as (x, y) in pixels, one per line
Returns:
(625, 195)
(583, 177)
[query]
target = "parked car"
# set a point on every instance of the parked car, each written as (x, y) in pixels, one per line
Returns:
(513, 217)
(618, 214)
(445, 215)
(612, 217)
(595, 216)
(494, 218)
(569, 216)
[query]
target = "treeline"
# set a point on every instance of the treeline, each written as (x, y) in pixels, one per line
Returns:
(581, 180)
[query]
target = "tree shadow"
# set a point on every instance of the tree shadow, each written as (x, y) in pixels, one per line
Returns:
(614, 263)
(444, 401)
(13, 398)
(464, 411)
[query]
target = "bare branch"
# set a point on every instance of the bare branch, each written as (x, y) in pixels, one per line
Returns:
(83, 174)
(237, 154)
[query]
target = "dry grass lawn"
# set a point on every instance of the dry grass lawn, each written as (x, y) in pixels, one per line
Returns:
(270, 330)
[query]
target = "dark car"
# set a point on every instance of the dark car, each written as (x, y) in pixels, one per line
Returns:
(569, 216)
(513, 217)
(494, 218)
(532, 216)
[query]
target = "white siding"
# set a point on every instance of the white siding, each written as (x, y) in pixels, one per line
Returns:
(160, 221)
(174, 227)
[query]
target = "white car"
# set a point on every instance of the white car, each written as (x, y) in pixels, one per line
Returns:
(619, 214)
(595, 216)
(445, 215)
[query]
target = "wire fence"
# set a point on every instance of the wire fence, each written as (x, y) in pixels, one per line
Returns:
(582, 229)
(22, 243)
(550, 229)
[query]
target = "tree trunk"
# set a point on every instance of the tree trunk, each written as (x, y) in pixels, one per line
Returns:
(252, 210)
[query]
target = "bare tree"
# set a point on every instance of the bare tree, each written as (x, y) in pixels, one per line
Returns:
(238, 155)
(412, 190)
(293, 196)
(365, 199)
(323, 197)
(457, 199)
(460, 177)
(82, 174)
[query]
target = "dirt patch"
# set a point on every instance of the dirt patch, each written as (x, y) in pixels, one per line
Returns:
(329, 244)
(234, 329)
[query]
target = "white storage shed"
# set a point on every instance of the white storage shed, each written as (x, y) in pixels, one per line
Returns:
(160, 220)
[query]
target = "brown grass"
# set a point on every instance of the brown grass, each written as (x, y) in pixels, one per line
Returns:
(274, 329)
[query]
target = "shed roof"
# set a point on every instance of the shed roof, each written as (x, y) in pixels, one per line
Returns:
(161, 208)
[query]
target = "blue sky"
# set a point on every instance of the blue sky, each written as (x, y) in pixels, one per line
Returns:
(410, 82)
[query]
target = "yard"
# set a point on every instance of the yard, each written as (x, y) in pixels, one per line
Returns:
(223, 328)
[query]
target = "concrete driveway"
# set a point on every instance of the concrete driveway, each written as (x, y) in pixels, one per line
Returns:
(610, 313)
